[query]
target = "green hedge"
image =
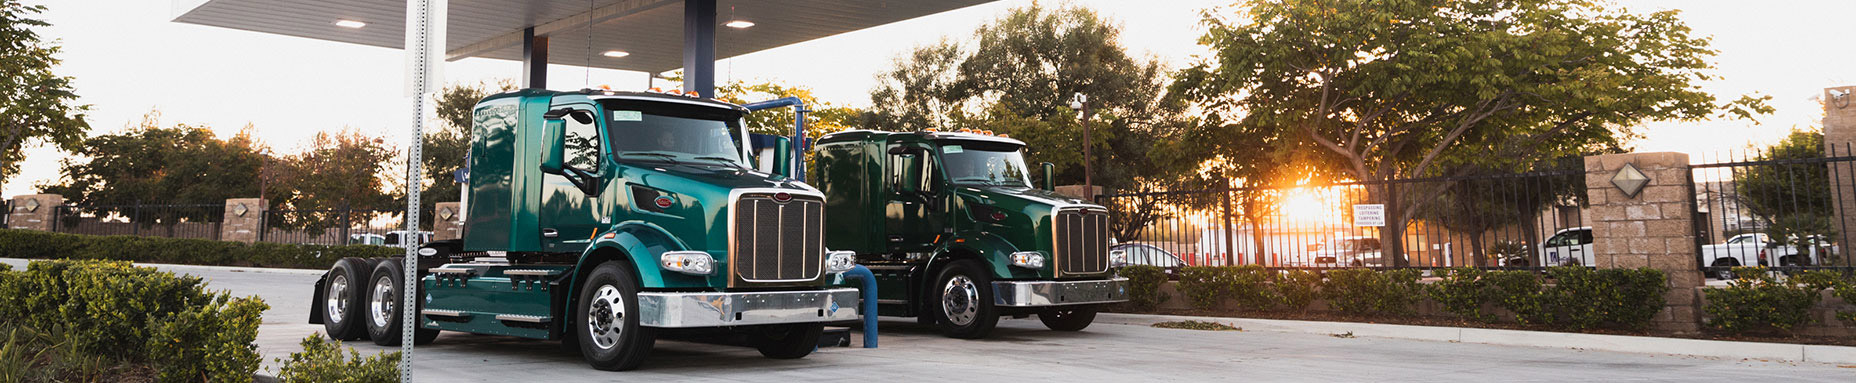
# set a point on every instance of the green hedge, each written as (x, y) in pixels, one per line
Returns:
(322, 360)
(1143, 286)
(44, 245)
(1760, 301)
(119, 314)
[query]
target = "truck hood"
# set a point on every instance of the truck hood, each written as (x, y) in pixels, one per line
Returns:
(722, 177)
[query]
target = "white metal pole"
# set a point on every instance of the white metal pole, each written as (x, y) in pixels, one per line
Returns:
(425, 41)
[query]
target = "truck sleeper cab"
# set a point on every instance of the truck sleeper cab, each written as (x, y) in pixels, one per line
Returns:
(956, 234)
(606, 219)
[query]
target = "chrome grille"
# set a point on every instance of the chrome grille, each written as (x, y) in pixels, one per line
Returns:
(1081, 238)
(777, 241)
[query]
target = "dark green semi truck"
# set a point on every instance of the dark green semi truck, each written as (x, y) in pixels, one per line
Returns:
(957, 236)
(606, 219)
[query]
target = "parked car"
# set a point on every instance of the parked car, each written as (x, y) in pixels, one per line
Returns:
(1353, 251)
(1739, 250)
(1130, 254)
(1567, 247)
(1818, 249)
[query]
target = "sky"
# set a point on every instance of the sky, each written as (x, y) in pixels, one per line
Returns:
(128, 59)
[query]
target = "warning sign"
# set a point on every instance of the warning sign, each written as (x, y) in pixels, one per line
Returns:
(1373, 215)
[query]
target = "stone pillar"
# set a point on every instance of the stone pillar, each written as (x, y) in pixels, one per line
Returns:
(1840, 141)
(244, 219)
(447, 221)
(1655, 229)
(34, 212)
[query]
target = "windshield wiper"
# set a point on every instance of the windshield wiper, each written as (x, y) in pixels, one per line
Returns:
(723, 160)
(667, 157)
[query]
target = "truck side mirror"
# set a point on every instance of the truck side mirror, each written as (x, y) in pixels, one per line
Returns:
(774, 154)
(1050, 176)
(552, 142)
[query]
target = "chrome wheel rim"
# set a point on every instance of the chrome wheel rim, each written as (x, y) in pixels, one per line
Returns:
(381, 306)
(606, 317)
(335, 301)
(960, 300)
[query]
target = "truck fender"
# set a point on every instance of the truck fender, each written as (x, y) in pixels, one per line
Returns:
(987, 248)
(636, 242)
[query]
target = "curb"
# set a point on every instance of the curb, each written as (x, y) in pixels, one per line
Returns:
(1598, 342)
(165, 266)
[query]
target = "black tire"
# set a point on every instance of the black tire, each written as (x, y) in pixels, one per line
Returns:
(1726, 273)
(1068, 319)
(383, 309)
(600, 347)
(791, 341)
(343, 298)
(964, 308)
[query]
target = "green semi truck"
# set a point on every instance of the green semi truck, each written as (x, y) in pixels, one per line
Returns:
(957, 236)
(605, 219)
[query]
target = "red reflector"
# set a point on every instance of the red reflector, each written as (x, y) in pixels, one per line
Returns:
(782, 197)
(663, 202)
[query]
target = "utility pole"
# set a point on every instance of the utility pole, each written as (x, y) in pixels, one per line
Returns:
(1081, 104)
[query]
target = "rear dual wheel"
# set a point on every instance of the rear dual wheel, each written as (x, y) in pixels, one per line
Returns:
(344, 289)
(384, 303)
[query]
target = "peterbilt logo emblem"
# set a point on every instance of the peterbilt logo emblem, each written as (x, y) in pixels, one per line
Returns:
(782, 197)
(663, 202)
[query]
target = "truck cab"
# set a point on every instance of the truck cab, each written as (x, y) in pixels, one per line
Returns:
(957, 235)
(607, 219)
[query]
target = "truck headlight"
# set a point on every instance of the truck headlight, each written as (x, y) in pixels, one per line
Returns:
(1028, 259)
(840, 261)
(688, 262)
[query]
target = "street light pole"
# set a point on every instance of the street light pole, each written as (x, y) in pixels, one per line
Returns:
(1081, 103)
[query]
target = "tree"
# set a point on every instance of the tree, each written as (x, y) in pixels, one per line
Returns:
(821, 117)
(1792, 193)
(150, 164)
(445, 148)
(1017, 75)
(35, 104)
(1413, 88)
(337, 173)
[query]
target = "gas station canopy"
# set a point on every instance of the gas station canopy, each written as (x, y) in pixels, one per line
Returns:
(644, 35)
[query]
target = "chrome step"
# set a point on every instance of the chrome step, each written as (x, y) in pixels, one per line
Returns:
(523, 318)
(532, 272)
(445, 313)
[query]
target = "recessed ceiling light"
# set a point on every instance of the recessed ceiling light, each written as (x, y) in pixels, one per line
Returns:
(349, 24)
(616, 54)
(739, 24)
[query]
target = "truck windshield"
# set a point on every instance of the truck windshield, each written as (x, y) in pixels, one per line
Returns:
(984, 163)
(654, 131)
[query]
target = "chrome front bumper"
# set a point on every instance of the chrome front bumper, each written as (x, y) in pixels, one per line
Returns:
(716, 309)
(1056, 293)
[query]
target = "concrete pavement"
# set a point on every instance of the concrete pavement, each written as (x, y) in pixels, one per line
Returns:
(1024, 350)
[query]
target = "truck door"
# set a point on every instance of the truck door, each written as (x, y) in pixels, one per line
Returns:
(570, 213)
(912, 212)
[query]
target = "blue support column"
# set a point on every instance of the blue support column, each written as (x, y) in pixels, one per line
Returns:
(534, 60)
(699, 47)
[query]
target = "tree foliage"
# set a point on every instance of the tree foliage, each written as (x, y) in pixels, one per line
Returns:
(1416, 88)
(35, 104)
(821, 117)
(1017, 75)
(151, 164)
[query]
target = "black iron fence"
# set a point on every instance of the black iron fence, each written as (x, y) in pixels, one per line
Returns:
(337, 227)
(1791, 209)
(1507, 220)
(201, 221)
(207, 221)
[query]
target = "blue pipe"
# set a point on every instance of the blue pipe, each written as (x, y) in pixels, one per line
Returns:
(868, 286)
(799, 129)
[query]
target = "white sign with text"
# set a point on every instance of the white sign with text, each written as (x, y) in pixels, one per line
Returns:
(1370, 215)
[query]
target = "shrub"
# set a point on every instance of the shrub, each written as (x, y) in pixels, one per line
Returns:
(1847, 291)
(1463, 291)
(43, 245)
(1203, 286)
(1248, 285)
(1367, 291)
(1296, 289)
(1758, 301)
(1522, 293)
(1144, 286)
(106, 316)
(322, 361)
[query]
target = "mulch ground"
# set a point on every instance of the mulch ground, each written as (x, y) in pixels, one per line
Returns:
(1328, 316)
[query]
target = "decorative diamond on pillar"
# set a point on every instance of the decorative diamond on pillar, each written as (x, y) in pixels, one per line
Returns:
(240, 209)
(445, 213)
(32, 205)
(1630, 180)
